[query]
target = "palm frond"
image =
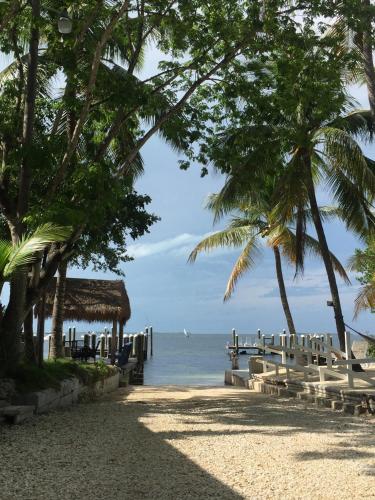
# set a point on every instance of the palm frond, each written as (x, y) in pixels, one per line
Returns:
(245, 261)
(313, 246)
(230, 237)
(365, 299)
(26, 251)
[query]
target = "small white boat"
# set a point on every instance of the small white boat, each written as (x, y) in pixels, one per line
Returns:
(186, 333)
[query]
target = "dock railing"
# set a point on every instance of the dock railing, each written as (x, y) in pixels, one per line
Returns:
(314, 355)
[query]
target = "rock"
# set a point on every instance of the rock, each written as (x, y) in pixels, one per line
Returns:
(16, 414)
(7, 388)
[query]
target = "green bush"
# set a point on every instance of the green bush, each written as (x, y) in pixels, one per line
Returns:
(371, 351)
(30, 378)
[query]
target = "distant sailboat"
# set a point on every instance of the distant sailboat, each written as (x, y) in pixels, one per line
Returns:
(186, 333)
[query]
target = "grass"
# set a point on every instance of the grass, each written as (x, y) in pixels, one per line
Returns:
(30, 378)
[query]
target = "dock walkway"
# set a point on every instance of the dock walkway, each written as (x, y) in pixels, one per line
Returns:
(193, 443)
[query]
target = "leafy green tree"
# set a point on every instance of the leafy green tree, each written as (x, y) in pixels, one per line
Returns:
(59, 148)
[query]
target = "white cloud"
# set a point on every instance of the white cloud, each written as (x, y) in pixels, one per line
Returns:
(181, 244)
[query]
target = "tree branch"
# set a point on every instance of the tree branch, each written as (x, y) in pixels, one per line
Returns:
(60, 174)
(174, 109)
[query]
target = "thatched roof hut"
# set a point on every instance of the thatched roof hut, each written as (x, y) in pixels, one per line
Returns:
(91, 300)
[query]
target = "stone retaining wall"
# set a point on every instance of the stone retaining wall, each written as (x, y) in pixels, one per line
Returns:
(71, 391)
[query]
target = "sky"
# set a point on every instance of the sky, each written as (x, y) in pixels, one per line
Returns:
(170, 294)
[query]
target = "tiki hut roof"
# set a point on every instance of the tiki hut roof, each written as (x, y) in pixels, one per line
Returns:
(91, 300)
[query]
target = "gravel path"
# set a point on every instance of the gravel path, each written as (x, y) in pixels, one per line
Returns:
(189, 443)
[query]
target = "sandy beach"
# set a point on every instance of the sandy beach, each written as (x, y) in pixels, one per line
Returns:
(194, 443)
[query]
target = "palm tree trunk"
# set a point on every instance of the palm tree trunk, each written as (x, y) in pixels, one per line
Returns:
(11, 324)
(283, 296)
(29, 338)
(340, 325)
(40, 330)
(368, 61)
(58, 312)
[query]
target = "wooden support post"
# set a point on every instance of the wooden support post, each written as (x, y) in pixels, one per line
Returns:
(151, 341)
(348, 354)
(309, 354)
(134, 348)
(236, 343)
(86, 340)
(303, 340)
(258, 333)
(272, 339)
(329, 355)
(93, 340)
(283, 348)
(109, 345)
(102, 346)
(141, 347)
(74, 334)
(233, 336)
(49, 345)
(120, 335)
(145, 347)
(70, 336)
(114, 342)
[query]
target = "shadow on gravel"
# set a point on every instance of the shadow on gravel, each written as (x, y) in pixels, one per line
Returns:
(99, 451)
(278, 417)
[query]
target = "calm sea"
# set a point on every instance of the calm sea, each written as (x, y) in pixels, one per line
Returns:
(199, 359)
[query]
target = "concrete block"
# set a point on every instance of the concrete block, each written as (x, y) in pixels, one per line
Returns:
(16, 414)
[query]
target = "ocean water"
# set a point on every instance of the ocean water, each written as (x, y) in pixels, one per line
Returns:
(200, 359)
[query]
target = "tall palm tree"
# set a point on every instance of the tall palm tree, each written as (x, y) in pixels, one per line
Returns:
(246, 230)
(328, 151)
(322, 149)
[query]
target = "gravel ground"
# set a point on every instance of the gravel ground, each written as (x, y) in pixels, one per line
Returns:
(189, 443)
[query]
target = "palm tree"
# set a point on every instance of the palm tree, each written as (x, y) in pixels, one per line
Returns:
(15, 259)
(245, 230)
(322, 148)
(328, 151)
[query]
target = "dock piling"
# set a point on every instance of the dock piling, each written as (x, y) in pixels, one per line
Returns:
(102, 345)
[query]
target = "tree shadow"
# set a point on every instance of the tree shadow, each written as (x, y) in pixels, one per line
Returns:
(244, 409)
(99, 450)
